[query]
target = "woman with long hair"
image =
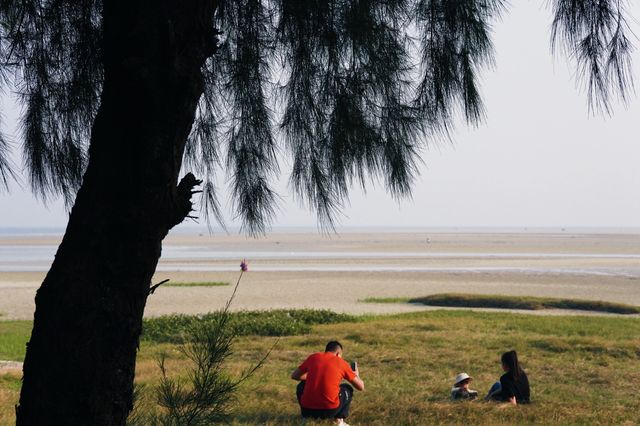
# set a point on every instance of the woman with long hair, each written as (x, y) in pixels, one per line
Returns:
(513, 386)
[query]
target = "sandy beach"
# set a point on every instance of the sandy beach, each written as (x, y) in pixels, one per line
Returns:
(311, 270)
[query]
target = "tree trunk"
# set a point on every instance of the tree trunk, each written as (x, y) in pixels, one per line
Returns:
(80, 361)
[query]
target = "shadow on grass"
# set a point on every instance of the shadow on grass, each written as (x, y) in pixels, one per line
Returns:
(264, 416)
(11, 381)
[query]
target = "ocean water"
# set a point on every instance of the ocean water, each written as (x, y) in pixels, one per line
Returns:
(31, 232)
(38, 258)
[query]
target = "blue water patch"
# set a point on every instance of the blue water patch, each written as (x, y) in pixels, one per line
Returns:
(28, 258)
(31, 232)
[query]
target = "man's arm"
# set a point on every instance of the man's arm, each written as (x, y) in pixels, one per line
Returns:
(298, 375)
(357, 381)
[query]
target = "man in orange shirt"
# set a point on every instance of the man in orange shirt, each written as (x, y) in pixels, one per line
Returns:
(320, 392)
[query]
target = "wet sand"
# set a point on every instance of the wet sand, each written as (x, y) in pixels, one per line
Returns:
(310, 270)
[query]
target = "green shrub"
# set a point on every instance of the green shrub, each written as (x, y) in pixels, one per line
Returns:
(281, 322)
(206, 396)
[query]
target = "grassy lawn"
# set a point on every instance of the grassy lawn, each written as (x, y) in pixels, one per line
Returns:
(459, 300)
(13, 337)
(583, 370)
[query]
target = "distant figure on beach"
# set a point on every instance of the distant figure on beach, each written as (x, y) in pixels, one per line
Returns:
(513, 386)
(321, 393)
(460, 389)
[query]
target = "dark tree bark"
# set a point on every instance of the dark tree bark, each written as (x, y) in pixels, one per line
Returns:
(80, 361)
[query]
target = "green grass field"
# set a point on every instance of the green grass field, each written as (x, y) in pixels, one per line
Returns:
(462, 300)
(196, 284)
(583, 370)
(13, 336)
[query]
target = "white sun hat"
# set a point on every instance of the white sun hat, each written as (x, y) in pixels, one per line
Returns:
(462, 376)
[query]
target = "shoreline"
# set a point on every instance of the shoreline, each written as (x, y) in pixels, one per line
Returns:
(310, 270)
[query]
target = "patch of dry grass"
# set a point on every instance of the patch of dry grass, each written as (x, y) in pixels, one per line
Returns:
(583, 370)
(9, 392)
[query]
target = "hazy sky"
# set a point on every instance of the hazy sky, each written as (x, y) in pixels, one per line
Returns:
(538, 160)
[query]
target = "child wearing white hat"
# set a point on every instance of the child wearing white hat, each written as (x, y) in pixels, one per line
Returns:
(460, 389)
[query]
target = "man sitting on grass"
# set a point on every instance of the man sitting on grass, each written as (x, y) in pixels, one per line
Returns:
(320, 392)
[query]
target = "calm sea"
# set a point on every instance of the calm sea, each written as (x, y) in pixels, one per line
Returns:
(17, 258)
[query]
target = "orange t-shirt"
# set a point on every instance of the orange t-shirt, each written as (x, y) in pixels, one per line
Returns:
(325, 372)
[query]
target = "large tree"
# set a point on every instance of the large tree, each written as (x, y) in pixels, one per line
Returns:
(121, 96)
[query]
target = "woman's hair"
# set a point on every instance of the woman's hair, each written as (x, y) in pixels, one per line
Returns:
(510, 359)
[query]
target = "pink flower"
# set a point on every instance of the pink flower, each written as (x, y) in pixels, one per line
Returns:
(244, 266)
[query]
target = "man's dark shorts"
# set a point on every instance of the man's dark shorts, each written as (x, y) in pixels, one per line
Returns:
(342, 412)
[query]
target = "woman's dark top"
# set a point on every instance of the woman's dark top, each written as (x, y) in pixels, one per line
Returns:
(518, 388)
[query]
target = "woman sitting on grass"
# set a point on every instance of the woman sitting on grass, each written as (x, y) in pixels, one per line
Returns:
(513, 386)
